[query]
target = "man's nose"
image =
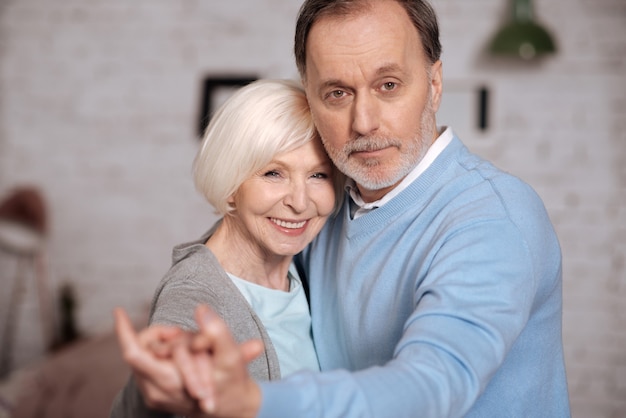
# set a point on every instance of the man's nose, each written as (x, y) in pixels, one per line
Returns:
(366, 116)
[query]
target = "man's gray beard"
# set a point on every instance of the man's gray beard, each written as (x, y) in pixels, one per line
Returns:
(363, 172)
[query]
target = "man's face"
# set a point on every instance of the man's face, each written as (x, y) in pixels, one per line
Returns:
(371, 94)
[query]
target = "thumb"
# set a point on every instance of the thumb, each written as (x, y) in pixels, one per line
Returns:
(251, 349)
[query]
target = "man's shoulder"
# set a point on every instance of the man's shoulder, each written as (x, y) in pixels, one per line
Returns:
(484, 172)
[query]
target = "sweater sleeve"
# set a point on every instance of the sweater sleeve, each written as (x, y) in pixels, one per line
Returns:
(468, 312)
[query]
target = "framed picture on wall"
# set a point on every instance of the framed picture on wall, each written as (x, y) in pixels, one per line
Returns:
(464, 106)
(215, 90)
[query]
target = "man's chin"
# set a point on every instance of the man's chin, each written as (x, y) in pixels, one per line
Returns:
(374, 184)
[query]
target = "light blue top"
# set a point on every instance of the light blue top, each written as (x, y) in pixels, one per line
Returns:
(287, 320)
(443, 302)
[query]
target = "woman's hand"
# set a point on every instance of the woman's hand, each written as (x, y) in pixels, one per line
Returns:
(234, 392)
(152, 354)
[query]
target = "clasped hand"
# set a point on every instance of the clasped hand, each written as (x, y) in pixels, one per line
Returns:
(196, 374)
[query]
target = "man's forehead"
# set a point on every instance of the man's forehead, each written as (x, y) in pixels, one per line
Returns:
(334, 79)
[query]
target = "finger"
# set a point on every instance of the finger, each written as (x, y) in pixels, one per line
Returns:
(214, 333)
(162, 385)
(251, 349)
(168, 332)
(203, 341)
(200, 342)
(126, 335)
(214, 328)
(204, 369)
(228, 361)
(159, 381)
(199, 378)
(161, 340)
(234, 389)
(159, 399)
(186, 366)
(160, 333)
(135, 355)
(161, 349)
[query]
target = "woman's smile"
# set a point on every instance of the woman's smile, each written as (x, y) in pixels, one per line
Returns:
(289, 224)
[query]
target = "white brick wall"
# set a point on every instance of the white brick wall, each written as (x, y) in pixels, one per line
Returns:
(99, 102)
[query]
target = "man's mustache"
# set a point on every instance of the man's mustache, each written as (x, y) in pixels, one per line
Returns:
(371, 143)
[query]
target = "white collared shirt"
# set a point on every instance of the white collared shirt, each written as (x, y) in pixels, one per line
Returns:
(433, 152)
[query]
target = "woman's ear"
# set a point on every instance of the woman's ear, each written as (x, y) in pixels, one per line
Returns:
(231, 200)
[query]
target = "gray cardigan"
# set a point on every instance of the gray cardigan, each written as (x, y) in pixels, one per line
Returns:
(197, 277)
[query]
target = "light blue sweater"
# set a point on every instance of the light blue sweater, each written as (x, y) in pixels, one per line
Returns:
(444, 302)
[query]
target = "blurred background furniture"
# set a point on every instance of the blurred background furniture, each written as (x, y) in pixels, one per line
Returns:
(23, 230)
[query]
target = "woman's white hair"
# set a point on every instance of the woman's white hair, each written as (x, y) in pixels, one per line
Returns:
(259, 121)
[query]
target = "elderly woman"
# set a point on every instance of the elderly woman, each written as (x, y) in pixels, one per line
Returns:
(263, 168)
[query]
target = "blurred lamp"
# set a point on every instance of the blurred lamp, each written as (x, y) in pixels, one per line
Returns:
(522, 36)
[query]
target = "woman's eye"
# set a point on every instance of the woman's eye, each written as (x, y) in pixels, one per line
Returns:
(271, 173)
(320, 176)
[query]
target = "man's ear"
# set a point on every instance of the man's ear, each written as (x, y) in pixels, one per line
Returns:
(436, 84)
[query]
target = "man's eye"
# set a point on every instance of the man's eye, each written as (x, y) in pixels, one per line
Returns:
(389, 86)
(337, 94)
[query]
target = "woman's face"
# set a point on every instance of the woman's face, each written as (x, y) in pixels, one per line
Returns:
(282, 207)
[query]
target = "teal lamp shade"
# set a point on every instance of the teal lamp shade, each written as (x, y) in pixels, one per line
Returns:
(522, 36)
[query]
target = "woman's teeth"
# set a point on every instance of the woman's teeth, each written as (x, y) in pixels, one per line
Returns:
(289, 225)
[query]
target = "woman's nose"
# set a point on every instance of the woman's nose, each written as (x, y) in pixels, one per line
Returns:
(297, 198)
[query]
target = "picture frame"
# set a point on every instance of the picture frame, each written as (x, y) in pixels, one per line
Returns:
(465, 105)
(215, 90)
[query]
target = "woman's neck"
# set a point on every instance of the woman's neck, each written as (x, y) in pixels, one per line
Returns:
(241, 257)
